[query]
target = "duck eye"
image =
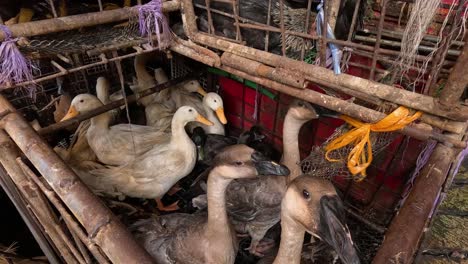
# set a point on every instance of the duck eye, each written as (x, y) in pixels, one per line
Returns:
(305, 194)
(238, 163)
(190, 110)
(215, 100)
(81, 101)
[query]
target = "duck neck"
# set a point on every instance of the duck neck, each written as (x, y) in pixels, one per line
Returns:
(178, 133)
(222, 244)
(102, 120)
(216, 193)
(292, 238)
(291, 154)
(140, 68)
(213, 118)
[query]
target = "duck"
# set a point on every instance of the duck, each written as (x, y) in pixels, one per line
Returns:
(144, 80)
(205, 238)
(79, 153)
(150, 175)
(311, 204)
(214, 110)
(118, 144)
(103, 94)
(208, 145)
(158, 114)
(254, 205)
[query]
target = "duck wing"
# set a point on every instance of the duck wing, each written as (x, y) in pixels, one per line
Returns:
(159, 116)
(182, 97)
(248, 199)
(148, 176)
(214, 144)
(124, 142)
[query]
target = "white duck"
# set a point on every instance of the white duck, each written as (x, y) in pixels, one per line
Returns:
(119, 144)
(170, 157)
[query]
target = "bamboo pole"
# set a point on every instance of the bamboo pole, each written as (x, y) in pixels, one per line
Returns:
(402, 237)
(316, 73)
(71, 223)
(236, 65)
(457, 81)
(297, 80)
(99, 222)
(401, 241)
(31, 222)
(333, 9)
(35, 199)
(59, 24)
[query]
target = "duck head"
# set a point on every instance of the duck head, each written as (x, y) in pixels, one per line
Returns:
(214, 102)
(193, 86)
(186, 114)
(241, 161)
(80, 104)
(302, 110)
(313, 204)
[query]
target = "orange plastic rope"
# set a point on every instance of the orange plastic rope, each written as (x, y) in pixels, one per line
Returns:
(360, 156)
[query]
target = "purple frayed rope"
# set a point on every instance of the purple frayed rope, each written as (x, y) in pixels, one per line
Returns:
(14, 67)
(152, 21)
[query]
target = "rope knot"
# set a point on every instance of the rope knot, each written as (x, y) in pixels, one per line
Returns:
(360, 156)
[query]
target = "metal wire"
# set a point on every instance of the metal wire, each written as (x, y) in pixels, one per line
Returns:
(79, 41)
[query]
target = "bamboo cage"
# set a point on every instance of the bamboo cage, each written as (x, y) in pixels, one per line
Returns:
(73, 225)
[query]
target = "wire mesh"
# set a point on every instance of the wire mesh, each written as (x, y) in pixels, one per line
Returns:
(78, 41)
(317, 165)
(180, 68)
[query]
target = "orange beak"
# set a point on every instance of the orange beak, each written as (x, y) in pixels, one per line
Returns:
(70, 114)
(221, 116)
(201, 91)
(203, 120)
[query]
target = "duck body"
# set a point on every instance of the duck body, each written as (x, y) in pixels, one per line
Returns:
(114, 145)
(103, 94)
(201, 238)
(163, 240)
(159, 114)
(160, 111)
(151, 174)
(121, 144)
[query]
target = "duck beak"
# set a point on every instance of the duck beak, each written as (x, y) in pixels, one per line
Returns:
(325, 112)
(72, 112)
(203, 120)
(334, 231)
(201, 91)
(221, 116)
(268, 167)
